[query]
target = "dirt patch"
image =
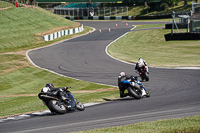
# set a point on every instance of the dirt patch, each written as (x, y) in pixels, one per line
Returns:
(86, 91)
(56, 29)
(5, 8)
(23, 52)
(22, 64)
(21, 95)
(25, 64)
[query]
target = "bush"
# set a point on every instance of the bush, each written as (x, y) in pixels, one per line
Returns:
(164, 6)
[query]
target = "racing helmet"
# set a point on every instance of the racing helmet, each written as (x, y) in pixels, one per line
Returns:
(122, 74)
(140, 59)
(49, 85)
(140, 63)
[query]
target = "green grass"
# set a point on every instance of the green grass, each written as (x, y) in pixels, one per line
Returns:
(17, 105)
(4, 4)
(19, 31)
(20, 25)
(30, 80)
(151, 45)
(144, 11)
(181, 125)
(149, 26)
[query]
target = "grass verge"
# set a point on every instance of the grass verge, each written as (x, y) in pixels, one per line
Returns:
(151, 45)
(181, 125)
(23, 27)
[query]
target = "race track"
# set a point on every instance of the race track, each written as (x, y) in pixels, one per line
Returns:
(174, 92)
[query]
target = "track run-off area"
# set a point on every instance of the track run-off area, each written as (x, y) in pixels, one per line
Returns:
(174, 92)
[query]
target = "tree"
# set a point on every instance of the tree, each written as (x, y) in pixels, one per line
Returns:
(145, 3)
(185, 3)
(172, 2)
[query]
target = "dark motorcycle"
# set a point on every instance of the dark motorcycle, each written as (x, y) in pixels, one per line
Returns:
(144, 74)
(51, 100)
(136, 92)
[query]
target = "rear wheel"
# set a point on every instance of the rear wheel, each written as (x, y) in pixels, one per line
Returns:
(57, 107)
(136, 93)
(79, 105)
(146, 76)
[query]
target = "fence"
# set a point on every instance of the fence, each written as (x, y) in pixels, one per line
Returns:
(97, 11)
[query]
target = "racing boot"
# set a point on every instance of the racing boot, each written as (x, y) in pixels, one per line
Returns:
(143, 92)
(146, 93)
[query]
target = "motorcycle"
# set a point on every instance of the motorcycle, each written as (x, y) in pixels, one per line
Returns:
(144, 74)
(143, 71)
(136, 92)
(55, 105)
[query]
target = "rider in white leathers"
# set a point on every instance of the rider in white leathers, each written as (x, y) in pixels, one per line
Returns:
(139, 64)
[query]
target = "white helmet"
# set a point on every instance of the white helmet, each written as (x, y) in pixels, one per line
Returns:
(45, 89)
(140, 59)
(140, 63)
(122, 74)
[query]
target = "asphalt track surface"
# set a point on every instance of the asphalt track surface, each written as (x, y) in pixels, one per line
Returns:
(174, 93)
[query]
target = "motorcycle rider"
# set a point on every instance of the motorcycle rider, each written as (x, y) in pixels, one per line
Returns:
(60, 91)
(122, 76)
(139, 64)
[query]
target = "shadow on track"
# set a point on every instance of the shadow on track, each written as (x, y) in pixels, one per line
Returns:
(121, 99)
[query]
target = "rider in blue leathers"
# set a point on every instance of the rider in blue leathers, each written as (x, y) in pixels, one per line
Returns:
(122, 76)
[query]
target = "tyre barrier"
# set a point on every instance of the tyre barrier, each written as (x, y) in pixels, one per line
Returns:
(182, 36)
(179, 25)
(62, 33)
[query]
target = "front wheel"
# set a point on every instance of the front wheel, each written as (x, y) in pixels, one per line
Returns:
(57, 107)
(148, 95)
(136, 93)
(79, 105)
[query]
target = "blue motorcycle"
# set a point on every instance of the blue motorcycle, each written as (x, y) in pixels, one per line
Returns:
(135, 88)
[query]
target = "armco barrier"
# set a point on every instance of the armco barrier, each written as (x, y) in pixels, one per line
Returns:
(62, 33)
